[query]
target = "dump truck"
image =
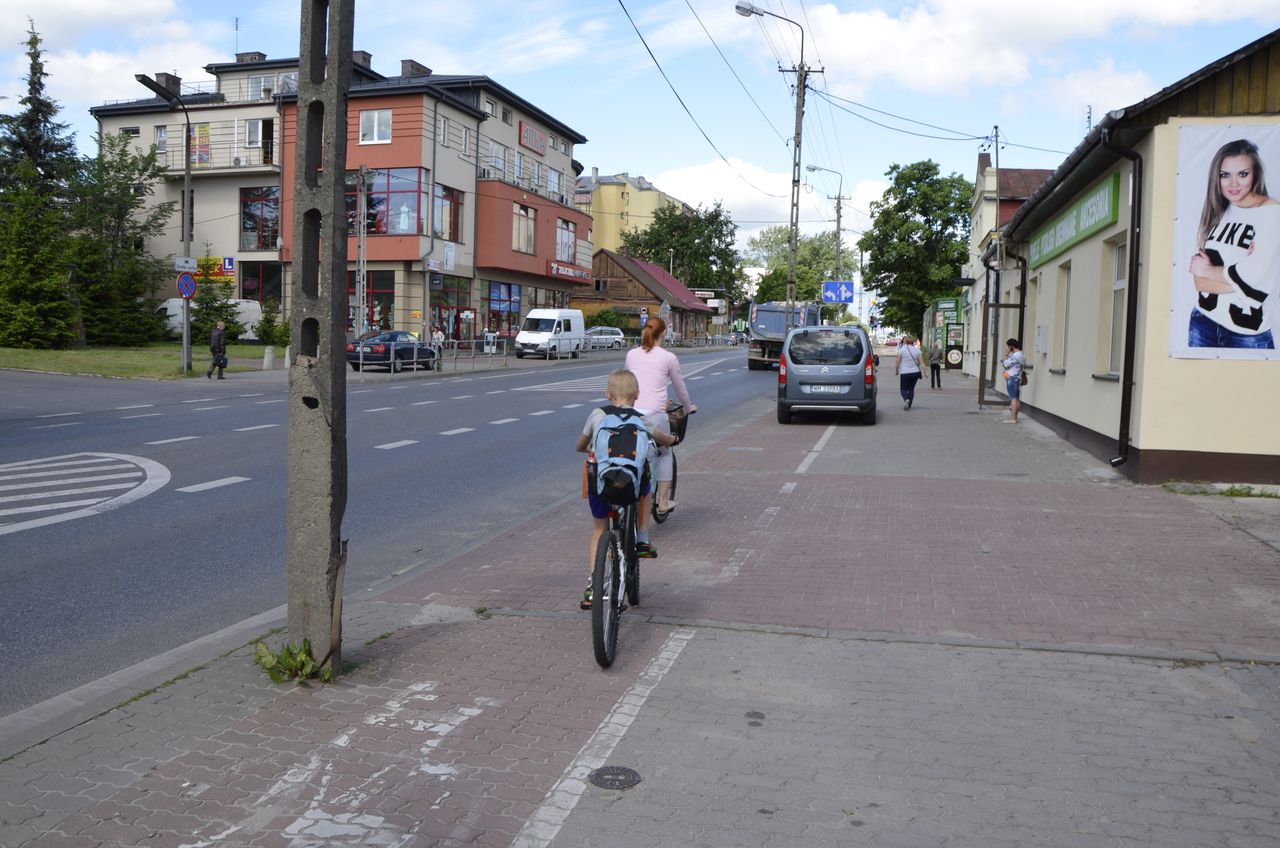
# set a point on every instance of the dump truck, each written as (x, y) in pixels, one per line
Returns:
(767, 329)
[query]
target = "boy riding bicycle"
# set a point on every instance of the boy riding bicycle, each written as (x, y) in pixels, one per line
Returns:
(622, 391)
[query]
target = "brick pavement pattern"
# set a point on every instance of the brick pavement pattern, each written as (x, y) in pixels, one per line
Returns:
(937, 631)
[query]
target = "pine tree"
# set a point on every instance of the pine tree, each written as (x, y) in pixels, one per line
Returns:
(35, 134)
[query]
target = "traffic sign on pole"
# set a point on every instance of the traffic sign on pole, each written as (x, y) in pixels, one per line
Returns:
(186, 285)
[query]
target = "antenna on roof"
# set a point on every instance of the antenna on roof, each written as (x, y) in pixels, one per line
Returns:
(237, 26)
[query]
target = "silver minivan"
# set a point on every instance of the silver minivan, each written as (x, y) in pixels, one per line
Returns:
(827, 369)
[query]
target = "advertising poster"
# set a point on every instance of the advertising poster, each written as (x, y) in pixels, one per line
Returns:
(1226, 243)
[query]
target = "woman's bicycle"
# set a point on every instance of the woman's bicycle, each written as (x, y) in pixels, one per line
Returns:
(678, 421)
(617, 569)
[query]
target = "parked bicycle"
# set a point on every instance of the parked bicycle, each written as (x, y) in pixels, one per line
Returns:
(678, 420)
(617, 568)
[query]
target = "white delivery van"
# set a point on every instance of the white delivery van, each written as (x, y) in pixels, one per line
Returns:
(551, 333)
(248, 313)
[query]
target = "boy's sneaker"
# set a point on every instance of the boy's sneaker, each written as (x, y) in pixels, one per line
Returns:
(585, 603)
(644, 550)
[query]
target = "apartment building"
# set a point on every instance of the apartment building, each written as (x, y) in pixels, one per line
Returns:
(462, 185)
(620, 202)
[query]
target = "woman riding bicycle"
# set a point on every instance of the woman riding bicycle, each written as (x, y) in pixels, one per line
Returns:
(655, 368)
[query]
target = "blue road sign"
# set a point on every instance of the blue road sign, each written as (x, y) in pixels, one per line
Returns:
(840, 291)
(186, 285)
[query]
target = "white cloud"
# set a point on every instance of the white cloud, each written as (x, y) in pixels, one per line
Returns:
(1102, 87)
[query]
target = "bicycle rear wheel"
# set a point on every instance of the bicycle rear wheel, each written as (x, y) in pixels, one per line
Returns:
(606, 602)
(675, 469)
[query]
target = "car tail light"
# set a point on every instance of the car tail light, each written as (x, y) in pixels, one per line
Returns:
(379, 348)
(782, 370)
(350, 347)
(870, 378)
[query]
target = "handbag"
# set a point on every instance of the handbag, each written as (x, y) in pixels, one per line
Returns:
(1023, 380)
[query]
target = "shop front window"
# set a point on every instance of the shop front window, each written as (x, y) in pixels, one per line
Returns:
(449, 306)
(502, 308)
(395, 201)
(259, 218)
(380, 302)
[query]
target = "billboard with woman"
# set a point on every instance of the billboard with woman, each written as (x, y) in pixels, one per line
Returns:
(1226, 270)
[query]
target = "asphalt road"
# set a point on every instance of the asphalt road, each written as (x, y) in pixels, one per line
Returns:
(172, 525)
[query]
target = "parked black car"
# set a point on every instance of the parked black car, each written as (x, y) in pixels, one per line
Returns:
(394, 350)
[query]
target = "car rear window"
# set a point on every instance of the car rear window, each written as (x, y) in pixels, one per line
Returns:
(826, 348)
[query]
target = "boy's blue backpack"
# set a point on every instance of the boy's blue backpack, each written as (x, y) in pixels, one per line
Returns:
(621, 446)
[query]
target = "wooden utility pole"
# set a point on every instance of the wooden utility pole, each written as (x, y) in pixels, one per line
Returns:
(317, 458)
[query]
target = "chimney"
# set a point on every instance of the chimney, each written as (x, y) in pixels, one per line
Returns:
(362, 57)
(170, 82)
(252, 56)
(595, 175)
(413, 68)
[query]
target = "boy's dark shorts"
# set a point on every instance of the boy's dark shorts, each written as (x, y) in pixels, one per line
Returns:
(601, 509)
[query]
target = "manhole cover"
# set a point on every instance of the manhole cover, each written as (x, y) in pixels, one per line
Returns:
(614, 777)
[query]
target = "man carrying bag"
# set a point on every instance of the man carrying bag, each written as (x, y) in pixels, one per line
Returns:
(218, 347)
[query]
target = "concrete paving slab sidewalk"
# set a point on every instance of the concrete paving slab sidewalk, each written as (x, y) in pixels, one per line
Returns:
(937, 631)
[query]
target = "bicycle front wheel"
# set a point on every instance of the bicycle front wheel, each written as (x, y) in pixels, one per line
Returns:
(606, 601)
(633, 561)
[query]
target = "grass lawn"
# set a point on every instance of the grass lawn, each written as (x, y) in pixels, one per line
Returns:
(157, 361)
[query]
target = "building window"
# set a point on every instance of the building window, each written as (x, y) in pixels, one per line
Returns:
(442, 130)
(553, 181)
(524, 218)
(498, 159)
(375, 126)
(395, 201)
(466, 141)
(162, 138)
(132, 132)
(1062, 308)
(259, 218)
(506, 115)
(564, 146)
(602, 285)
(490, 107)
(253, 132)
(551, 142)
(503, 306)
(447, 222)
(519, 171)
(380, 301)
(565, 241)
(289, 83)
(1120, 270)
(260, 86)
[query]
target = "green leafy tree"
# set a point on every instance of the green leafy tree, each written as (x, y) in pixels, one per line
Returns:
(918, 240)
(773, 285)
(816, 262)
(699, 248)
(114, 278)
(35, 311)
(35, 135)
(609, 318)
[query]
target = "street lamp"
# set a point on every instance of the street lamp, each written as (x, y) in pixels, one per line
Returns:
(173, 97)
(747, 10)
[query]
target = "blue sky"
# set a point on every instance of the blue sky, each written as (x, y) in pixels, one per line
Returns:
(963, 66)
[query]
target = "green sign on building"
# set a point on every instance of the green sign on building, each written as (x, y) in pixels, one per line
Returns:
(1095, 211)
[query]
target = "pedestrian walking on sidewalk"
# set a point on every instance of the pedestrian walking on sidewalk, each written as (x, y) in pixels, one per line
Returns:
(1013, 365)
(909, 370)
(935, 367)
(218, 347)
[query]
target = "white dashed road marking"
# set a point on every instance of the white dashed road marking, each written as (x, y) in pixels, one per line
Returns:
(213, 484)
(393, 445)
(171, 441)
(277, 400)
(199, 400)
(503, 421)
(52, 426)
(143, 415)
(135, 406)
(422, 403)
(457, 431)
(256, 427)
(380, 409)
(59, 414)
(204, 408)
(543, 412)
(815, 450)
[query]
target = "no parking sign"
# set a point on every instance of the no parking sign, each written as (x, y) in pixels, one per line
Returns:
(186, 285)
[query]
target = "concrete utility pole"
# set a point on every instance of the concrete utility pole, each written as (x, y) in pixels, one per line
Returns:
(317, 373)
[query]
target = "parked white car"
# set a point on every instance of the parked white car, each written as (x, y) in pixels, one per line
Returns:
(605, 338)
(248, 313)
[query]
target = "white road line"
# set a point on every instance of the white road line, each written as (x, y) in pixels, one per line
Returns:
(49, 463)
(199, 400)
(497, 392)
(213, 484)
(380, 409)
(143, 415)
(52, 426)
(571, 406)
(59, 414)
(63, 471)
(253, 394)
(157, 478)
(47, 507)
(788, 488)
(63, 481)
(543, 412)
(392, 445)
(360, 391)
(422, 403)
(457, 431)
(541, 828)
(815, 450)
(394, 388)
(135, 406)
(461, 397)
(277, 400)
(255, 427)
(203, 408)
(503, 421)
(171, 441)
(85, 491)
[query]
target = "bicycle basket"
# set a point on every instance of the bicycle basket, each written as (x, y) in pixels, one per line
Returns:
(677, 420)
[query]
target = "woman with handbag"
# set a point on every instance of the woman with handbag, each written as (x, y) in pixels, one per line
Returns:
(1014, 377)
(909, 370)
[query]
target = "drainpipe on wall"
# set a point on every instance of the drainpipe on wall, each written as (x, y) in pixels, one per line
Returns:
(1131, 296)
(987, 256)
(1022, 295)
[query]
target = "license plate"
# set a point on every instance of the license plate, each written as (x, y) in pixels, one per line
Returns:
(367, 349)
(824, 389)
